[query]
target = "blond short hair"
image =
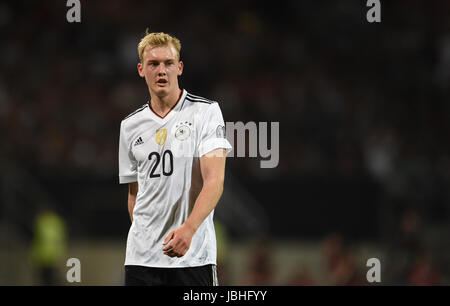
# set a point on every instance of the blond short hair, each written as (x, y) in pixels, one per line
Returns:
(158, 39)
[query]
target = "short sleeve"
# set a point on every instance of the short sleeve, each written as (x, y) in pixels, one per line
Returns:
(127, 162)
(213, 131)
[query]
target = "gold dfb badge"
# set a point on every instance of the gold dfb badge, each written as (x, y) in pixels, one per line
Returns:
(161, 136)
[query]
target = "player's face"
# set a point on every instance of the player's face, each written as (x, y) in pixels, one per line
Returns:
(160, 67)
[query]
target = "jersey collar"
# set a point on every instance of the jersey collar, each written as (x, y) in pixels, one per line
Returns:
(171, 113)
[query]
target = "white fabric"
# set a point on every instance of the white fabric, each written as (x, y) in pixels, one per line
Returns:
(169, 178)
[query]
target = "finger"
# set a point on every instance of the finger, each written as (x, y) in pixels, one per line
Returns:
(174, 253)
(170, 253)
(168, 248)
(172, 246)
(170, 236)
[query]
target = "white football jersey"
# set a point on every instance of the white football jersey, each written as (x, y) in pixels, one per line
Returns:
(162, 155)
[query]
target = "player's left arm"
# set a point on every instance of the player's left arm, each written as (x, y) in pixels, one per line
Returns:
(212, 167)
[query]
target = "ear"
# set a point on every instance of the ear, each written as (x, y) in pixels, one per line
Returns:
(140, 69)
(180, 68)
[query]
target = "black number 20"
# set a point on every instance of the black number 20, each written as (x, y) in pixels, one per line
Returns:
(158, 159)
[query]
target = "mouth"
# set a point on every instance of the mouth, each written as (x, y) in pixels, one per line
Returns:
(161, 82)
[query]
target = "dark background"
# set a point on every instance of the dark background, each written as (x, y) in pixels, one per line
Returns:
(363, 109)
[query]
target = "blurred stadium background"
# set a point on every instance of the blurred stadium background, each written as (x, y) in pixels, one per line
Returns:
(364, 113)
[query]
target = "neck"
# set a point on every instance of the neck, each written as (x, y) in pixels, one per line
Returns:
(163, 105)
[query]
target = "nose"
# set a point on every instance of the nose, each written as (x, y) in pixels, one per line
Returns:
(161, 69)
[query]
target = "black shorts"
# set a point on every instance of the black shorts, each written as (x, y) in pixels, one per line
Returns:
(192, 276)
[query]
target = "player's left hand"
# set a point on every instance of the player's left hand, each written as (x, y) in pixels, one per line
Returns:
(181, 241)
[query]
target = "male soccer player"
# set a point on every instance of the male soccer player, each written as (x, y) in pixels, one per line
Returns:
(172, 154)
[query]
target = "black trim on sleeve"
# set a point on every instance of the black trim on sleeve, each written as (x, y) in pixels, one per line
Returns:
(194, 98)
(136, 111)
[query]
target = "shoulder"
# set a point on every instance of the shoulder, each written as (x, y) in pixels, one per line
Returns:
(200, 104)
(134, 113)
(131, 122)
(191, 98)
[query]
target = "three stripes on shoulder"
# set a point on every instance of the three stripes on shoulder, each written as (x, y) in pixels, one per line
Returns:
(194, 98)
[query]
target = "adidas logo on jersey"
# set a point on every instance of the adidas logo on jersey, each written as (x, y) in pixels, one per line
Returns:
(138, 141)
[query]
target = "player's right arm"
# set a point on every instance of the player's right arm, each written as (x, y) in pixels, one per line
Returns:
(127, 168)
(132, 193)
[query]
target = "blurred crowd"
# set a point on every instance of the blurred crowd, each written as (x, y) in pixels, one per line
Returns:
(353, 99)
(407, 261)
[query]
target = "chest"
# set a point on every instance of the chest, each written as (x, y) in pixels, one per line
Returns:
(178, 138)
